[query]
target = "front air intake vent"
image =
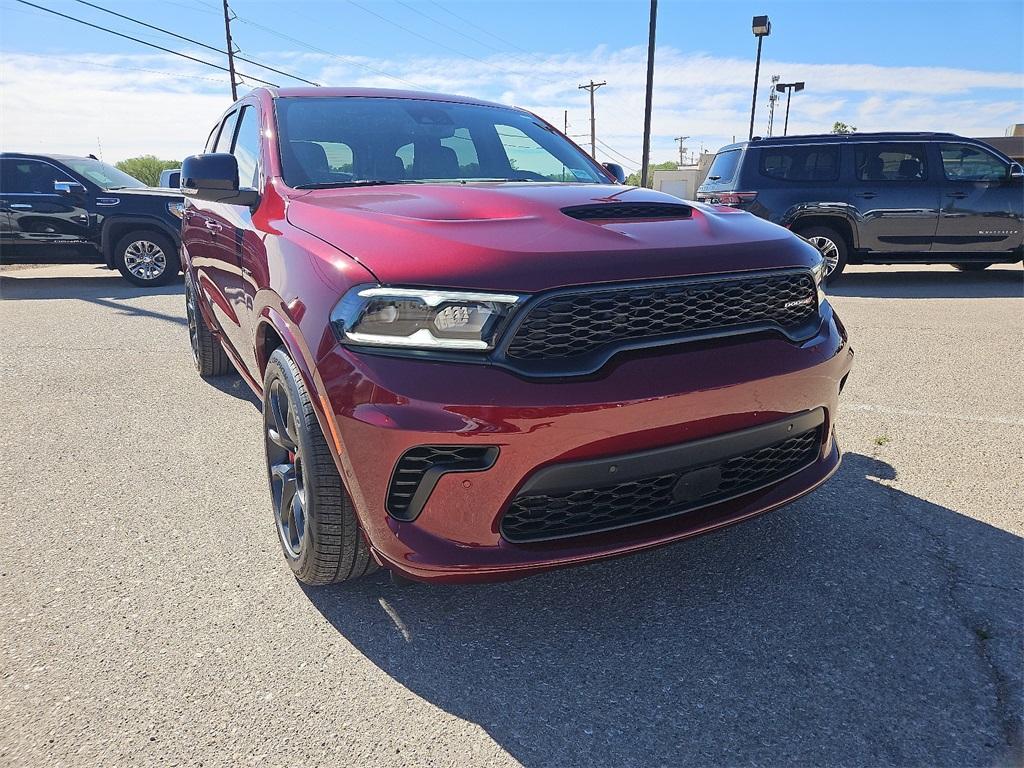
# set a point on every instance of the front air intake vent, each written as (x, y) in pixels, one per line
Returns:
(419, 469)
(620, 211)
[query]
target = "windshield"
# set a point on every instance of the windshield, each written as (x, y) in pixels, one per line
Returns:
(101, 174)
(328, 142)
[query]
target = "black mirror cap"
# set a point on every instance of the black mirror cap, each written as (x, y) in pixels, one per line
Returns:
(214, 177)
(68, 188)
(616, 170)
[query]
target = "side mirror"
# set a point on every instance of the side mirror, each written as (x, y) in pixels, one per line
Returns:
(1016, 171)
(214, 177)
(68, 188)
(616, 170)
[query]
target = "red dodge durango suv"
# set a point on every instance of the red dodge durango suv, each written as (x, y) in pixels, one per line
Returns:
(479, 354)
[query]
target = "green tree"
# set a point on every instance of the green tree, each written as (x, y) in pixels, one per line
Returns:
(838, 127)
(633, 179)
(147, 168)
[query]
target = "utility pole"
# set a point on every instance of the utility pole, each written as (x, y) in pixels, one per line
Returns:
(565, 115)
(681, 139)
(231, 52)
(593, 128)
(646, 159)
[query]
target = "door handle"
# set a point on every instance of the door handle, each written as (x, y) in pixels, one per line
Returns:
(957, 195)
(866, 195)
(213, 226)
(20, 206)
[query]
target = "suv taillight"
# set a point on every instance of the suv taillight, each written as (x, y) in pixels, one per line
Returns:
(735, 198)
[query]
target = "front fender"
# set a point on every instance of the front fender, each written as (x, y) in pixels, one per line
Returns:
(126, 223)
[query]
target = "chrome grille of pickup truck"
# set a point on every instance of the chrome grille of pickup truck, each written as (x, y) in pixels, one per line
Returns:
(570, 324)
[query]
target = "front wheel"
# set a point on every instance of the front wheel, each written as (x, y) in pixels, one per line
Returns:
(316, 522)
(832, 247)
(971, 266)
(146, 258)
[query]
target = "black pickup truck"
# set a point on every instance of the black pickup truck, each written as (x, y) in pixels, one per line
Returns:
(57, 208)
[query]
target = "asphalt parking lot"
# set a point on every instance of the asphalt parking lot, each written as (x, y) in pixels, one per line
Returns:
(148, 617)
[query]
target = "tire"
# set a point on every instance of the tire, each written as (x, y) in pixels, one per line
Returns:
(313, 513)
(207, 353)
(971, 266)
(833, 248)
(147, 258)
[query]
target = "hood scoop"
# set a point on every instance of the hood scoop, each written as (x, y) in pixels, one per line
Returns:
(621, 211)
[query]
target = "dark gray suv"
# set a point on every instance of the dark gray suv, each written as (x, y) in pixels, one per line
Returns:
(880, 198)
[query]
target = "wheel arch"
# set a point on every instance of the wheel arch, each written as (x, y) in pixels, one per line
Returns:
(116, 227)
(839, 223)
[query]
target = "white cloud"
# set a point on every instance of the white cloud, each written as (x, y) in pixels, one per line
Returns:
(65, 104)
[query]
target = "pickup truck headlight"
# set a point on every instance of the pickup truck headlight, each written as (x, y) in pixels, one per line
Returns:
(421, 318)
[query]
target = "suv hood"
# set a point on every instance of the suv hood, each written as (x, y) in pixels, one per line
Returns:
(515, 236)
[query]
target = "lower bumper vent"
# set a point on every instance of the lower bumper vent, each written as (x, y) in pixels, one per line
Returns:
(419, 469)
(540, 516)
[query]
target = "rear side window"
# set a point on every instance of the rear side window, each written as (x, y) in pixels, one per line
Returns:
(29, 177)
(809, 163)
(723, 167)
(890, 162)
(247, 148)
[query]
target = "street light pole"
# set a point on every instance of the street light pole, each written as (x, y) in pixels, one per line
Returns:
(761, 27)
(650, 92)
(788, 88)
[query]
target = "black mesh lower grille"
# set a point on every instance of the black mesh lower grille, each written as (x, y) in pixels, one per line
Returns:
(588, 510)
(573, 324)
(421, 466)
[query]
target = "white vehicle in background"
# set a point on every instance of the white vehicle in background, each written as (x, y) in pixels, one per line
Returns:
(170, 179)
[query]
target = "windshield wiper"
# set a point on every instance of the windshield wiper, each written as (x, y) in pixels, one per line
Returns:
(357, 183)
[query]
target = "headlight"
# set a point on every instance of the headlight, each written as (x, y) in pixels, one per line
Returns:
(178, 209)
(421, 318)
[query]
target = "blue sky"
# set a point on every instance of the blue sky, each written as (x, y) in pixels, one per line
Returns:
(879, 65)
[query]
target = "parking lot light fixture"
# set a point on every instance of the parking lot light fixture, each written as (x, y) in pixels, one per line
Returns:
(761, 27)
(788, 88)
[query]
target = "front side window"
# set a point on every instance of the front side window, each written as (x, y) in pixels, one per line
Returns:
(247, 148)
(890, 162)
(363, 140)
(29, 177)
(227, 133)
(962, 162)
(723, 167)
(810, 163)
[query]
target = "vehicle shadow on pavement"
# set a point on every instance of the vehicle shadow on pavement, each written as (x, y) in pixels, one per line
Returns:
(889, 284)
(109, 290)
(860, 626)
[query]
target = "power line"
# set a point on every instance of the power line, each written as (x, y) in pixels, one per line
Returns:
(194, 42)
(615, 151)
(142, 42)
(456, 51)
(476, 26)
(344, 59)
(135, 69)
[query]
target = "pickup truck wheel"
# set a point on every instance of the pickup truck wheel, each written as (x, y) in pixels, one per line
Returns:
(316, 522)
(209, 356)
(832, 247)
(971, 266)
(146, 258)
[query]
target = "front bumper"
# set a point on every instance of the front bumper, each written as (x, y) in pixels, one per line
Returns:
(378, 407)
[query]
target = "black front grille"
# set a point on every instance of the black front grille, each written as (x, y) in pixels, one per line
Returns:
(588, 510)
(575, 324)
(419, 469)
(618, 211)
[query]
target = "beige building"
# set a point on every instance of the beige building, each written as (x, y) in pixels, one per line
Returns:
(683, 181)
